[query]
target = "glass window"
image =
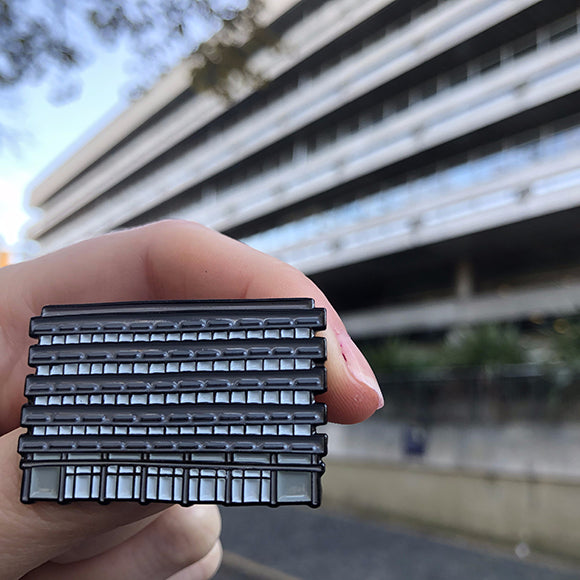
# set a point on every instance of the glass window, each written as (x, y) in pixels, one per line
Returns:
(401, 102)
(269, 162)
(477, 166)
(285, 155)
(563, 28)
(491, 60)
(325, 137)
(349, 125)
(425, 7)
(458, 75)
(388, 109)
(376, 112)
(346, 52)
(525, 44)
(429, 88)
(311, 143)
(443, 82)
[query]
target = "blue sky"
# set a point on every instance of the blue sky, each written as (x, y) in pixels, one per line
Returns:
(47, 132)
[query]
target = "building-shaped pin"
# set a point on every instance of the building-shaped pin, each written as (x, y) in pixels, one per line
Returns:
(185, 402)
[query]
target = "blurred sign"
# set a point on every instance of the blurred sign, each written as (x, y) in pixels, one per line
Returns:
(414, 440)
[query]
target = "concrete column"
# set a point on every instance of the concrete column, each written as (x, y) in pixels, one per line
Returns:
(464, 280)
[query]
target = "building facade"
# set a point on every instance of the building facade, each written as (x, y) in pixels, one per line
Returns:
(420, 160)
(185, 402)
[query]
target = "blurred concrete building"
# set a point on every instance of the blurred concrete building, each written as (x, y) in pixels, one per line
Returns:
(420, 160)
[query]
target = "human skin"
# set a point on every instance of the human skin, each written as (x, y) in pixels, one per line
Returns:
(162, 261)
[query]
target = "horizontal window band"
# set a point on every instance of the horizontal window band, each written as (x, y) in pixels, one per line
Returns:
(177, 485)
(186, 306)
(174, 415)
(179, 322)
(194, 351)
(317, 467)
(181, 401)
(315, 444)
(310, 380)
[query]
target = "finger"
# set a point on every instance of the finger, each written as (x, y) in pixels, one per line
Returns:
(206, 568)
(177, 539)
(100, 543)
(33, 534)
(182, 260)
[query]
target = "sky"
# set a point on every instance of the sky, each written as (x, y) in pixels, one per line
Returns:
(45, 131)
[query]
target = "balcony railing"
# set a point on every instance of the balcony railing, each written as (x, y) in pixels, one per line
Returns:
(482, 101)
(365, 71)
(542, 187)
(299, 43)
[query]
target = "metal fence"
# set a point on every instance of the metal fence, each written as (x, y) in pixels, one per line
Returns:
(483, 395)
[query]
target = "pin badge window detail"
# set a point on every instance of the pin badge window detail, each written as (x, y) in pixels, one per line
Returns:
(181, 401)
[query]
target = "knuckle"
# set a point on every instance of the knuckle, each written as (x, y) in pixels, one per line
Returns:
(188, 534)
(206, 568)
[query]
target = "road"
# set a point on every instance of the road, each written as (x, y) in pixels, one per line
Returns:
(299, 543)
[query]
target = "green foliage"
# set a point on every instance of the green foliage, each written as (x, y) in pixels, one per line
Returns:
(488, 346)
(566, 342)
(398, 355)
(51, 39)
(223, 59)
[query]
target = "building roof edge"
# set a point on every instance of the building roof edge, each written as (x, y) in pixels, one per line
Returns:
(161, 94)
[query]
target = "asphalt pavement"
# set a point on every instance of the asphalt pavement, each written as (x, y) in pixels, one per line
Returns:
(300, 543)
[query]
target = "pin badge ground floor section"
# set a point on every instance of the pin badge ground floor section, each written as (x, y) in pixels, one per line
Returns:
(185, 402)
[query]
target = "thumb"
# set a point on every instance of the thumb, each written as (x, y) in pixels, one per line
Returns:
(30, 535)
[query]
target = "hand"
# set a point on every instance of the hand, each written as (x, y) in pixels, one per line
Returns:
(167, 260)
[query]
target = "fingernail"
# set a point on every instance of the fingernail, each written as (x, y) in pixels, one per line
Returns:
(358, 365)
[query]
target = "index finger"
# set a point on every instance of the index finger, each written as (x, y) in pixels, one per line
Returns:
(183, 260)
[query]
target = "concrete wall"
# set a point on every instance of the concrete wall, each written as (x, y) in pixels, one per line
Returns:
(543, 512)
(511, 483)
(517, 449)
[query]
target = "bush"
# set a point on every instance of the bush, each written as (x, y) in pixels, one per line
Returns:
(398, 355)
(488, 346)
(566, 342)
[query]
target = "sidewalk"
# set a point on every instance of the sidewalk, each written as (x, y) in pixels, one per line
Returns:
(315, 544)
